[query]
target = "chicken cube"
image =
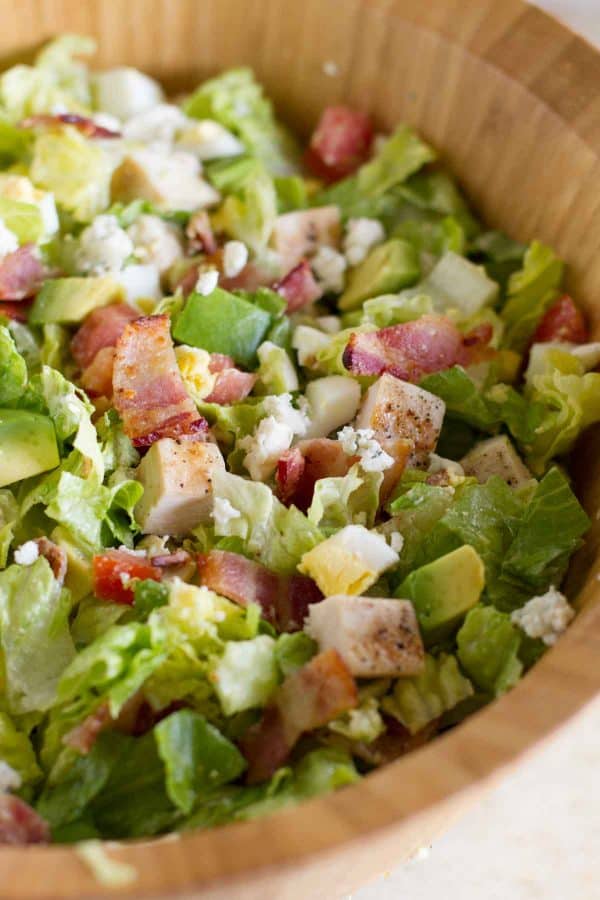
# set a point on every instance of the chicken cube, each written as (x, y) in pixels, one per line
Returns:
(171, 182)
(496, 456)
(376, 637)
(299, 234)
(396, 409)
(177, 477)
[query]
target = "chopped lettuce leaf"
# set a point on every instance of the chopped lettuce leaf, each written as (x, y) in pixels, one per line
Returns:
(395, 309)
(24, 219)
(249, 211)
(462, 397)
(17, 752)
(292, 651)
(531, 291)
(246, 674)
(488, 649)
(13, 370)
(420, 699)
(361, 724)
(349, 500)
(34, 635)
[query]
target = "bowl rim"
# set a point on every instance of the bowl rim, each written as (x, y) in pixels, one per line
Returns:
(451, 765)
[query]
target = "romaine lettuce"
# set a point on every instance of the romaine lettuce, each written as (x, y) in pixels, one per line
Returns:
(488, 649)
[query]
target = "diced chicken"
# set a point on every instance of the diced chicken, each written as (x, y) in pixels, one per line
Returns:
(300, 234)
(375, 637)
(177, 478)
(496, 456)
(172, 182)
(397, 409)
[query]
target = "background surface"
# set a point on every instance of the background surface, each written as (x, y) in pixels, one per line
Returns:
(538, 834)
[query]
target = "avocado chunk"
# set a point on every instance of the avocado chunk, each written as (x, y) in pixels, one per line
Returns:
(223, 323)
(69, 300)
(27, 445)
(387, 269)
(443, 591)
(456, 283)
(79, 568)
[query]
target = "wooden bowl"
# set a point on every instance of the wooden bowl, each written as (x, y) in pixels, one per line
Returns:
(512, 99)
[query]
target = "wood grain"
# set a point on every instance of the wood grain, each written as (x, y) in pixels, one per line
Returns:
(512, 100)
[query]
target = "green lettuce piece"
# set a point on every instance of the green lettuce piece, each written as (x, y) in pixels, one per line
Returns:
(117, 450)
(433, 239)
(13, 370)
(420, 699)
(56, 79)
(361, 724)
(34, 634)
(14, 141)
(328, 360)
(500, 255)
(275, 535)
(16, 750)
(93, 617)
(291, 193)
(25, 343)
(531, 291)
(349, 500)
(80, 778)
(436, 191)
(246, 675)
(488, 649)
(148, 596)
(75, 170)
(133, 801)
(24, 219)
(197, 757)
(540, 551)
(55, 345)
(232, 422)
(292, 651)
(415, 513)
(9, 515)
(395, 309)
(237, 101)
(463, 399)
(276, 372)
(249, 211)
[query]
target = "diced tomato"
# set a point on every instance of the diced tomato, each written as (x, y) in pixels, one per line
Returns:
(14, 309)
(562, 322)
(114, 571)
(340, 143)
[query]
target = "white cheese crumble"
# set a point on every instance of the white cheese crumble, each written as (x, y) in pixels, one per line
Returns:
(273, 435)
(9, 779)
(329, 266)
(9, 242)
(207, 282)
(27, 553)
(330, 68)
(361, 236)
(103, 246)
(235, 257)
(545, 617)
(441, 464)
(223, 512)
(155, 241)
(362, 442)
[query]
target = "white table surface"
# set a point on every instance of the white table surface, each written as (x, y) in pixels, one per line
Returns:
(536, 836)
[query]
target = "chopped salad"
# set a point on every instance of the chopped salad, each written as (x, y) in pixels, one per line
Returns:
(283, 435)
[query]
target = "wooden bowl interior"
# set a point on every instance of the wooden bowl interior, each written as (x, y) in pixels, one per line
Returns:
(511, 99)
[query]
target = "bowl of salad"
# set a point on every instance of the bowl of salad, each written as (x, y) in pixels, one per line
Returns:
(298, 467)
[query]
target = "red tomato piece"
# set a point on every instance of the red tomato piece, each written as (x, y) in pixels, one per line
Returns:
(15, 309)
(113, 572)
(562, 322)
(340, 143)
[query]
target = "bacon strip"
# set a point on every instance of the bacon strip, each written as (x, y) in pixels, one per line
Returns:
(299, 287)
(102, 328)
(97, 378)
(20, 824)
(300, 468)
(21, 273)
(149, 393)
(284, 601)
(309, 698)
(85, 125)
(231, 385)
(409, 351)
(16, 309)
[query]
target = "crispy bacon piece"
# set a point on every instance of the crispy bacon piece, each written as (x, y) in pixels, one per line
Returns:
(97, 378)
(102, 328)
(232, 385)
(167, 560)
(85, 125)
(284, 601)
(17, 310)
(301, 467)
(113, 570)
(340, 143)
(562, 322)
(83, 737)
(309, 698)
(200, 234)
(149, 393)
(409, 351)
(20, 824)
(55, 555)
(21, 273)
(299, 287)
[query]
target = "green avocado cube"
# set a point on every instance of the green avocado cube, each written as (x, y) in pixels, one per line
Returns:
(223, 323)
(443, 591)
(388, 268)
(27, 445)
(69, 300)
